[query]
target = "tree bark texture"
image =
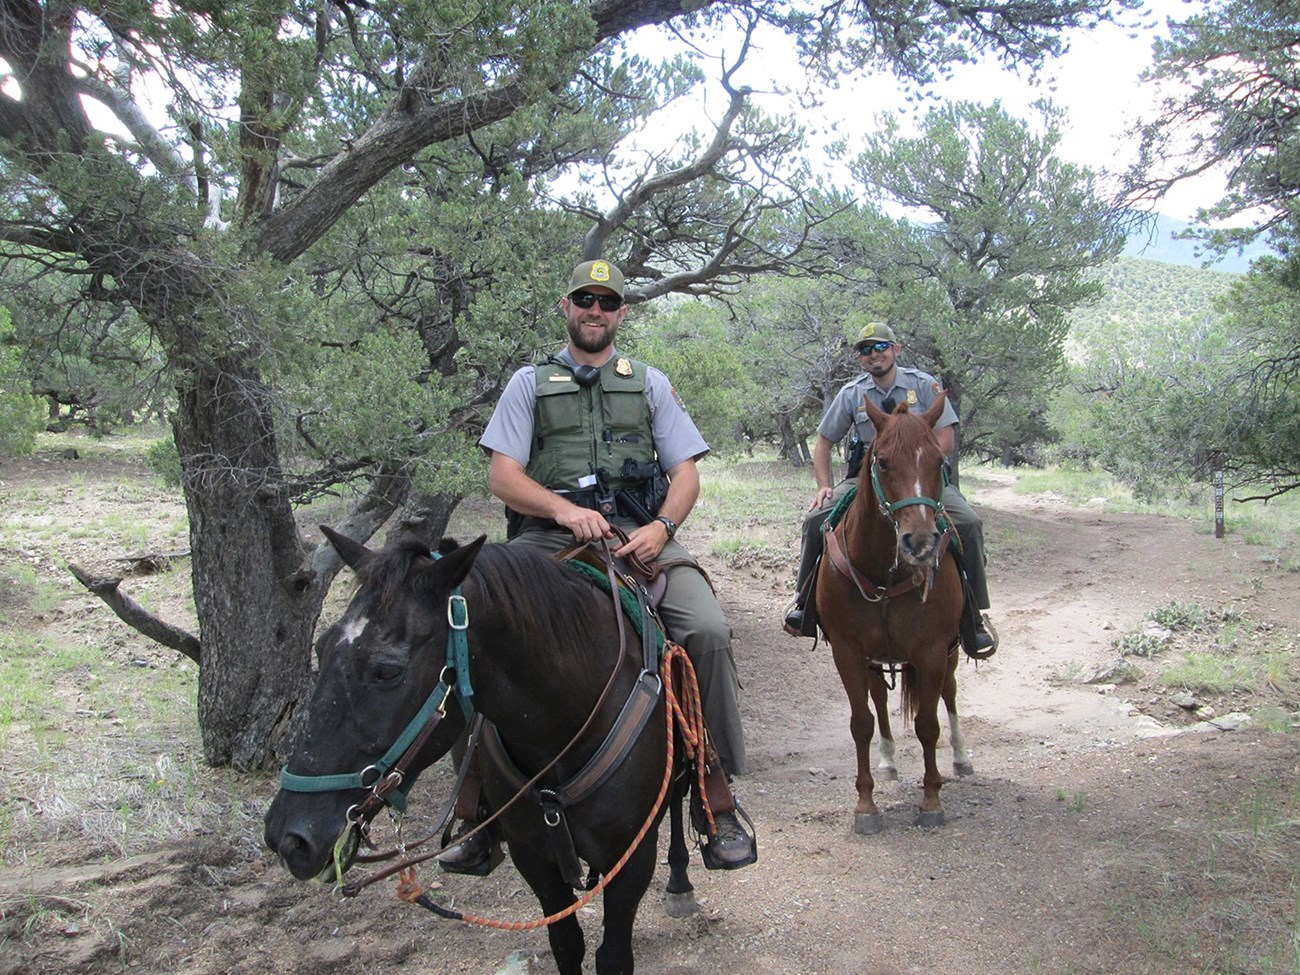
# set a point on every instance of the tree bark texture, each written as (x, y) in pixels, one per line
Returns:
(256, 609)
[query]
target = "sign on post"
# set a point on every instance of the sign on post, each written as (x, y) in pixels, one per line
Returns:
(1218, 495)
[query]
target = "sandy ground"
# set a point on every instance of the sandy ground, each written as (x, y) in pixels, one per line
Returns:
(1099, 834)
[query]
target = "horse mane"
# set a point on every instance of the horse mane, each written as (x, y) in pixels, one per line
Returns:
(550, 605)
(908, 435)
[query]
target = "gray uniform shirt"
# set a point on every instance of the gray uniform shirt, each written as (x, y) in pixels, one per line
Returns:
(676, 438)
(846, 411)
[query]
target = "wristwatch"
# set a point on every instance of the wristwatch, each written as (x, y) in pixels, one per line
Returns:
(669, 524)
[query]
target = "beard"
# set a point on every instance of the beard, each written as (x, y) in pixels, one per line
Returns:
(880, 365)
(589, 342)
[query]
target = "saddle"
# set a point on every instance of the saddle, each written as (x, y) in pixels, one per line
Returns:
(631, 573)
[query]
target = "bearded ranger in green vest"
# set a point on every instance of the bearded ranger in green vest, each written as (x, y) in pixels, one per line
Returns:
(591, 439)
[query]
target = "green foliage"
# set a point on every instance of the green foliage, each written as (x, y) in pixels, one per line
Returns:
(165, 461)
(1006, 233)
(1178, 616)
(1173, 617)
(1144, 401)
(1141, 644)
(689, 342)
(1228, 74)
(20, 412)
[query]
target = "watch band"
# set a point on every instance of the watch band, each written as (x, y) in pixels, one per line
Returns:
(669, 524)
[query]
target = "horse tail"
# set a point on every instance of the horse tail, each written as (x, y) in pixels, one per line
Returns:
(910, 697)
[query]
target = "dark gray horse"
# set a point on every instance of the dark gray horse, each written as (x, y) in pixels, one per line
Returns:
(543, 650)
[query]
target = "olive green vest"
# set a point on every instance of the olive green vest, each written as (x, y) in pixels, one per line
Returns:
(577, 430)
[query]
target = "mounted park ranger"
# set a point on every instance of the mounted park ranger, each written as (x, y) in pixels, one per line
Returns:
(887, 384)
(591, 440)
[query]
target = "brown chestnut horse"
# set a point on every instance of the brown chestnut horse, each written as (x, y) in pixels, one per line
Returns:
(889, 595)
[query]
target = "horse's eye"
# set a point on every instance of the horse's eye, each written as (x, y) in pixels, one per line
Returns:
(883, 463)
(385, 673)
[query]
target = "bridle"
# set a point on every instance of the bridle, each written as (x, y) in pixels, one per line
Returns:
(887, 507)
(922, 577)
(389, 778)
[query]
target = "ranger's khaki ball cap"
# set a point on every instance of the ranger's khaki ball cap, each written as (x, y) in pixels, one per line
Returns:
(591, 274)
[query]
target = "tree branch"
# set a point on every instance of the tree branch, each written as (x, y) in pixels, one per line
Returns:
(136, 616)
(409, 124)
(148, 139)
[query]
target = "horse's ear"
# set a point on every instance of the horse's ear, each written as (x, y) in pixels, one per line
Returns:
(931, 416)
(874, 413)
(453, 567)
(349, 551)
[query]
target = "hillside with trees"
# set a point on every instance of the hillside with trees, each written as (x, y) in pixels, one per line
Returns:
(1141, 296)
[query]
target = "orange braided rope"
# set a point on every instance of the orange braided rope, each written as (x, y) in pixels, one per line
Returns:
(690, 717)
(689, 720)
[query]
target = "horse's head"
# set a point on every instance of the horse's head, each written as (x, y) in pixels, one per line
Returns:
(378, 666)
(905, 476)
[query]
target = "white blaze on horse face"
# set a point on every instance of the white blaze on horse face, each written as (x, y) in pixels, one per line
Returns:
(916, 490)
(353, 629)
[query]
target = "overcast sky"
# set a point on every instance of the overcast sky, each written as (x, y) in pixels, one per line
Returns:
(1096, 82)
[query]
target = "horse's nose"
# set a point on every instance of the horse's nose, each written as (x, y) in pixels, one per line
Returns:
(918, 546)
(297, 853)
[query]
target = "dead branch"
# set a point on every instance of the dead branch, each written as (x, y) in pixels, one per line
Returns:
(136, 616)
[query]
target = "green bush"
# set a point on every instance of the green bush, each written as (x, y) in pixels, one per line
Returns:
(21, 416)
(1179, 616)
(165, 460)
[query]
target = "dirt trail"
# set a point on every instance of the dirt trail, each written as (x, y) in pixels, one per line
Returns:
(1079, 846)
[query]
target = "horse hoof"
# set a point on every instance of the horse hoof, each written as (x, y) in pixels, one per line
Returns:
(928, 820)
(868, 824)
(963, 768)
(681, 905)
(887, 774)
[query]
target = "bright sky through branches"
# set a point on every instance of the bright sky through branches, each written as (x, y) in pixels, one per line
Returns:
(1096, 82)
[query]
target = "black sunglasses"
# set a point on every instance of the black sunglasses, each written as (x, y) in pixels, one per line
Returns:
(874, 347)
(585, 299)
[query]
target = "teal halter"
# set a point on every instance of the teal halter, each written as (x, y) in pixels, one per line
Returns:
(454, 679)
(887, 508)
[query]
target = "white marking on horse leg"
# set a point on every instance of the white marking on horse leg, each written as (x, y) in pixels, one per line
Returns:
(354, 628)
(887, 755)
(959, 754)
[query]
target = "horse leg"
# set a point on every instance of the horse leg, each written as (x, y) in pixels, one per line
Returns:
(961, 764)
(886, 770)
(866, 817)
(622, 898)
(680, 898)
(554, 895)
(927, 733)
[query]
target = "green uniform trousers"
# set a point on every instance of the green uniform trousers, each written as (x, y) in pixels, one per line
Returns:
(694, 619)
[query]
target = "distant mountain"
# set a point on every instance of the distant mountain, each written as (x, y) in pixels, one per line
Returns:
(1143, 295)
(1161, 243)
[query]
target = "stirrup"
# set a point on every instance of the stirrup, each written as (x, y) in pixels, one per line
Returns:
(976, 654)
(793, 623)
(711, 859)
(476, 857)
